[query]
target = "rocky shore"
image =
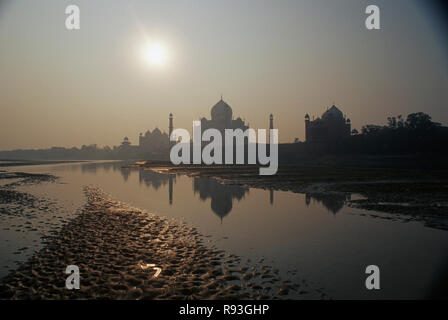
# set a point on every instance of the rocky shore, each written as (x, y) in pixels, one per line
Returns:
(114, 244)
(25, 218)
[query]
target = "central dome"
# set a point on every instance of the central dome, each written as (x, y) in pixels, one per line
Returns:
(333, 113)
(221, 111)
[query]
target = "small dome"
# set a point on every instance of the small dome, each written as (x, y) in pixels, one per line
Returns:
(221, 111)
(333, 113)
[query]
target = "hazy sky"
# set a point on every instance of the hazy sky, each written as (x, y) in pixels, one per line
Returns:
(68, 88)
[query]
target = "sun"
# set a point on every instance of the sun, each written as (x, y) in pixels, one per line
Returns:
(155, 54)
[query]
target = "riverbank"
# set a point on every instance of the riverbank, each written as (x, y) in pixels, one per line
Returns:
(16, 163)
(411, 195)
(114, 245)
(27, 217)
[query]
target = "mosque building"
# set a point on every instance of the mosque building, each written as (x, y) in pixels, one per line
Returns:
(331, 126)
(156, 142)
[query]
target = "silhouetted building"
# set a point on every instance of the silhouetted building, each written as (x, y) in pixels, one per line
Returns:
(333, 125)
(156, 142)
(126, 142)
(222, 118)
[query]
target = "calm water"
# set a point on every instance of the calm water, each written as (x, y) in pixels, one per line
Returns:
(318, 239)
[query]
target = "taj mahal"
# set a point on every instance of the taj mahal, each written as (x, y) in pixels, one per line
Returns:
(333, 125)
(222, 118)
(156, 142)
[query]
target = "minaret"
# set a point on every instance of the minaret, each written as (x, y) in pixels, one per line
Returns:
(271, 126)
(307, 123)
(171, 125)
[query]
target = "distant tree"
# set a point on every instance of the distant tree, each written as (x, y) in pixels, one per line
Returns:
(420, 122)
(400, 121)
(392, 122)
(370, 129)
(417, 134)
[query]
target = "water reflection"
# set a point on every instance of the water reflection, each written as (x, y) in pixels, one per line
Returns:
(125, 173)
(92, 167)
(156, 180)
(221, 195)
(332, 202)
(153, 179)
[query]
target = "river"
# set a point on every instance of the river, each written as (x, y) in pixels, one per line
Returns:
(317, 239)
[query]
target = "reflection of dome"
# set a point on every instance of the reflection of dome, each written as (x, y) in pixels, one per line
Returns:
(333, 202)
(221, 195)
(333, 113)
(222, 205)
(221, 111)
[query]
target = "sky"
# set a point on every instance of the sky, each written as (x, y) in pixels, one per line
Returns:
(67, 88)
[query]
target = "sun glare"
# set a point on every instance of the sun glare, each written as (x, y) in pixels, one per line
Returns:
(155, 54)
